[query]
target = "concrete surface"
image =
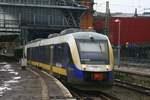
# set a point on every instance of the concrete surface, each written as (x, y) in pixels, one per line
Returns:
(29, 84)
(17, 84)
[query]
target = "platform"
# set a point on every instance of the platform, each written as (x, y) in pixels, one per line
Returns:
(18, 84)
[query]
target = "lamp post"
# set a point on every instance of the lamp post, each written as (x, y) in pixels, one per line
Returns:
(118, 47)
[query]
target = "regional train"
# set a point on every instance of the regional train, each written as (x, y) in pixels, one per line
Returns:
(82, 57)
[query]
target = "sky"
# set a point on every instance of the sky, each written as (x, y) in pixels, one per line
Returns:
(125, 6)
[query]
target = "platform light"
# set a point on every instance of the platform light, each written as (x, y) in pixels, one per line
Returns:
(127, 44)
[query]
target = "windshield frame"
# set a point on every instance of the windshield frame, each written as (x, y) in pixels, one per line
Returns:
(99, 62)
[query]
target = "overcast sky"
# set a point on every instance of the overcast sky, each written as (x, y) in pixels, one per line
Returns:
(126, 6)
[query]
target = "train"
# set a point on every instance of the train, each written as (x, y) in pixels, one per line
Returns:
(80, 57)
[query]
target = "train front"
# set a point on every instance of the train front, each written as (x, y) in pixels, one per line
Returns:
(93, 60)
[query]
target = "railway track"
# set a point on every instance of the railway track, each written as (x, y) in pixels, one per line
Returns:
(90, 94)
(111, 95)
(138, 77)
(133, 87)
(96, 95)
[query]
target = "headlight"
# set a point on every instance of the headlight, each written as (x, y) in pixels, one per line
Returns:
(84, 67)
(107, 67)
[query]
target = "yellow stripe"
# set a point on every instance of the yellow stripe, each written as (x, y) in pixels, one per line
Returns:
(59, 70)
(34, 63)
(55, 69)
(45, 66)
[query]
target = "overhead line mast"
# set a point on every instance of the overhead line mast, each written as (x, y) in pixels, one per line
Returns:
(107, 19)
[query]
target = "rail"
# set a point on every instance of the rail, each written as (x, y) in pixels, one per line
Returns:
(135, 62)
(141, 79)
(81, 94)
(134, 87)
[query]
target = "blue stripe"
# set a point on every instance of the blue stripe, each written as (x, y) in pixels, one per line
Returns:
(75, 72)
(110, 76)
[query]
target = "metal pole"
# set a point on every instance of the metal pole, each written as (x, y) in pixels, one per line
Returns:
(119, 44)
(107, 15)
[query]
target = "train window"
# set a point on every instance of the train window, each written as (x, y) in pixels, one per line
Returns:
(43, 54)
(66, 57)
(62, 55)
(93, 52)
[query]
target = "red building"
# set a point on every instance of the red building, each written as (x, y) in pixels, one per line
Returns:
(133, 30)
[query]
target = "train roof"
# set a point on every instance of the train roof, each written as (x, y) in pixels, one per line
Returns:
(67, 37)
(87, 35)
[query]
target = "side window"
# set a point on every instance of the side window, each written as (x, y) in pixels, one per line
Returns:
(57, 54)
(62, 54)
(67, 54)
(51, 53)
(47, 53)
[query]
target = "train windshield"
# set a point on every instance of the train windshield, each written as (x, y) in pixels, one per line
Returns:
(93, 51)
